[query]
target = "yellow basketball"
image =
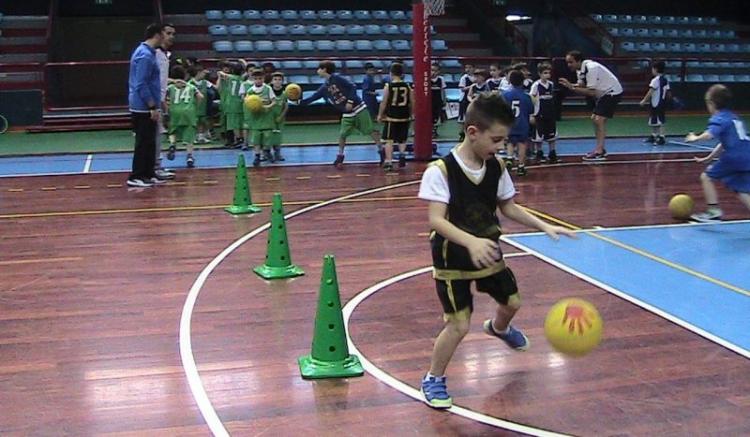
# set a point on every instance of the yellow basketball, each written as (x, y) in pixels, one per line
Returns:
(253, 103)
(573, 327)
(681, 206)
(293, 91)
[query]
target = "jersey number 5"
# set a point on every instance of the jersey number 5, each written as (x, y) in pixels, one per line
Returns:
(516, 106)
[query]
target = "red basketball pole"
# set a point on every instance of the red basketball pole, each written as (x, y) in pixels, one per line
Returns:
(423, 106)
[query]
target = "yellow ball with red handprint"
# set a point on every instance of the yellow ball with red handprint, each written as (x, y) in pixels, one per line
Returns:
(573, 327)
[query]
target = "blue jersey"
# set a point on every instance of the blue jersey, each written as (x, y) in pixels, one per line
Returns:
(369, 95)
(520, 103)
(338, 91)
(726, 127)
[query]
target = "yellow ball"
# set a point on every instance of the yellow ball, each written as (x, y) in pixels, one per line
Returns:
(253, 103)
(573, 327)
(681, 206)
(293, 91)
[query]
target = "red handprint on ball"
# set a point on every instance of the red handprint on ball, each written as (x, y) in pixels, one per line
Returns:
(576, 317)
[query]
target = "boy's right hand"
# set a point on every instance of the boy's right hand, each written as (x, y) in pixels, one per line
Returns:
(484, 252)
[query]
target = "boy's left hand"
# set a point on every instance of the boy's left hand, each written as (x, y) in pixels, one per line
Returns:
(691, 137)
(554, 232)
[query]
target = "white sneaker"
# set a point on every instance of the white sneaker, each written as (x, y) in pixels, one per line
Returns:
(712, 215)
(157, 181)
(139, 183)
(164, 174)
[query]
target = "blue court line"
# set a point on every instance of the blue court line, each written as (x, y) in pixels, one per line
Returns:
(295, 155)
(707, 308)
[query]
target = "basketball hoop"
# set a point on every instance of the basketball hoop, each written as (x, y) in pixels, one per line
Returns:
(434, 7)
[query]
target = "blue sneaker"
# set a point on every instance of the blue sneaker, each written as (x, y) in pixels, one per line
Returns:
(514, 338)
(435, 393)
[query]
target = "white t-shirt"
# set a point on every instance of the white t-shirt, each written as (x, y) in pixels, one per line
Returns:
(434, 185)
(659, 93)
(598, 77)
(162, 60)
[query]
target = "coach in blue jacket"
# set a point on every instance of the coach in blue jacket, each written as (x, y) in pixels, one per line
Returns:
(143, 99)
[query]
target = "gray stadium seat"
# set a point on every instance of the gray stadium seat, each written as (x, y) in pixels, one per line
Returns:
(270, 14)
(382, 45)
(297, 29)
(344, 45)
(218, 29)
(336, 29)
(308, 15)
(711, 20)
(398, 15)
(372, 29)
(284, 45)
(326, 15)
(264, 46)
(362, 15)
(277, 29)
(363, 45)
(214, 14)
(316, 29)
(357, 78)
(324, 45)
(305, 45)
(299, 79)
(673, 64)
(288, 14)
(233, 14)
(291, 65)
(380, 15)
(223, 46)
(390, 29)
(252, 14)
(355, 29)
(238, 29)
(243, 46)
(400, 45)
(258, 29)
(343, 14)
(696, 20)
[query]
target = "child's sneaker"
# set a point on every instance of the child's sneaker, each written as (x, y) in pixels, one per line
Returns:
(388, 166)
(521, 170)
(539, 156)
(267, 156)
(553, 159)
(711, 215)
(660, 141)
(435, 392)
(256, 161)
(650, 140)
(513, 338)
(339, 162)
(190, 161)
(595, 156)
(402, 161)
(171, 152)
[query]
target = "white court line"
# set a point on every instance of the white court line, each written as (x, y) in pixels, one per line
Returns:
(410, 391)
(186, 347)
(623, 295)
(87, 165)
(697, 146)
(627, 228)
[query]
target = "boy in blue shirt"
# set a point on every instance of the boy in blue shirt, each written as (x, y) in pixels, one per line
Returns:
(342, 94)
(522, 107)
(369, 90)
(733, 166)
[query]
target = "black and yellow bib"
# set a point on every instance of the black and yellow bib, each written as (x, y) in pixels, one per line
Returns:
(472, 208)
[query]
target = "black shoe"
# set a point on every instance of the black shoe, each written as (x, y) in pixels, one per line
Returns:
(660, 141)
(509, 163)
(388, 167)
(171, 152)
(521, 170)
(339, 162)
(552, 159)
(190, 161)
(650, 140)
(256, 161)
(539, 156)
(381, 154)
(277, 156)
(402, 161)
(267, 156)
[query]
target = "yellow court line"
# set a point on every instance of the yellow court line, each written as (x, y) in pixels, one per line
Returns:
(40, 260)
(186, 208)
(642, 253)
(48, 188)
(15, 190)
(81, 187)
(363, 175)
(272, 179)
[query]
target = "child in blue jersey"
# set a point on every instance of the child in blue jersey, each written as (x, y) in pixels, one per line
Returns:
(369, 90)
(342, 94)
(733, 166)
(520, 103)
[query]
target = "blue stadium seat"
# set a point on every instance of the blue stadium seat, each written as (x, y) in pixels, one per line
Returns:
(610, 18)
(625, 19)
(363, 45)
(336, 29)
(343, 14)
(694, 78)
(656, 32)
(641, 32)
(597, 17)
(613, 31)
(390, 29)
(726, 77)
(674, 64)
(316, 29)
(708, 64)
(362, 15)
(668, 19)
(711, 20)
(377, 63)
(264, 46)
(344, 45)
(406, 29)
(672, 78)
(640, 19)
(218, 29)
(243, 46)
(438, 45)
(694, 64)
(299, 79)
(696, 20)
(398, 15)
(213, 14)
(716, 33)
(671, 33)
(289, 14)
(270, 14)
(718, 48)
(252, 14)
(686, 33)
(699, 33)
(380, 15)
(372, 29)
(684, 21)
(450, 63)
(297, 29)
(382, 45)
(355, 29)
(223, 46)
(291, 65)
(674, 47)
(654, 19)
(284, 45)
(315, 79)
(326, 15)
(233, 14)
(733, 48)
(742, 78)
(628, 46)
(305, 45)
(408, 78)
(357, 78)
(238, 29)
(452, 94)
(308, 15)
(277, 29)
(354, 64)
(258, 29)
(627, 31)
(710, 77)
(745, 48)
(704, 48)
(643, 47)
(310, 64)
(400, 45)
(659, 47)
(409, 63)
(324, 45)
(728, 34)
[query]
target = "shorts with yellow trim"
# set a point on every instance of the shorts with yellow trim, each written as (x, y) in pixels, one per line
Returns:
(456, 297)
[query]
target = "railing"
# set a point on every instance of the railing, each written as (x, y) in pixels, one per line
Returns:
(600, 34)
(158, 11)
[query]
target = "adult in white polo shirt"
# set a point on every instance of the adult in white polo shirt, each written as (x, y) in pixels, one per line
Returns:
(595, 80)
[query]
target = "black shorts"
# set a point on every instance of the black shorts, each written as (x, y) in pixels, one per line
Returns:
(437, 110)
(463, 105)
(545, 130)
(656, 116)
(396, 131)
(456, 295)
(606, 104)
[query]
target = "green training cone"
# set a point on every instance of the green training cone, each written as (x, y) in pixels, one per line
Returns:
(330, 356)
(242, 204)
(278, 261)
